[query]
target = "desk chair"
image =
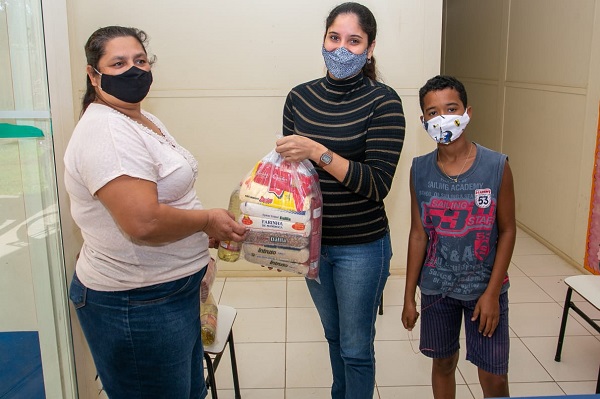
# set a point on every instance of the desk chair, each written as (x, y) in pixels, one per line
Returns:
(588, 287)
(225, 319)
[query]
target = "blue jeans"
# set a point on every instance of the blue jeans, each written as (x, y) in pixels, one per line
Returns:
(145, 342)
(352, 280)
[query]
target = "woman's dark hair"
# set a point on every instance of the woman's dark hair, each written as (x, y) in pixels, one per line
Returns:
(95, 48)
(367, 23)
(441, 82)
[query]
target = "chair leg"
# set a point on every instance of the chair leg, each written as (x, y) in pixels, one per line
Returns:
(598, 382)
(210, 380)
(381, 305)
(563, 324)
(236, 382)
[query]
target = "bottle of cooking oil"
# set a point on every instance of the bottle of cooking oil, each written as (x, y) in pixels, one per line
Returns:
(208, 320)
(229, 251)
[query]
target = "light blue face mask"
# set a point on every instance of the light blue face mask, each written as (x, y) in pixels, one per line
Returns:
(342, 63)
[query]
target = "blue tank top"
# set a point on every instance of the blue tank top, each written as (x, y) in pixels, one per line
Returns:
(460, 221)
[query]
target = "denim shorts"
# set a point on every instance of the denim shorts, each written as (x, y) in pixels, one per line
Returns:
(441, 320)
(145, 342)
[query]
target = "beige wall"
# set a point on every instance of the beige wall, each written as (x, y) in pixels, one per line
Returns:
(531, 71)
(223, 71)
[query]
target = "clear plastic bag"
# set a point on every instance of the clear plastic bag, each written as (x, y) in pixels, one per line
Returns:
(208, 320)
(208, 280)
(281, 205)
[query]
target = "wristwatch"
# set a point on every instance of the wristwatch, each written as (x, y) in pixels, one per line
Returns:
(326, 158)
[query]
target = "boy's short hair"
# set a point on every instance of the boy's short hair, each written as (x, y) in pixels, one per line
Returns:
(441, 82)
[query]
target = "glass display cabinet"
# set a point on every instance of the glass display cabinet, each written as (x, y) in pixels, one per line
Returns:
(35, 337)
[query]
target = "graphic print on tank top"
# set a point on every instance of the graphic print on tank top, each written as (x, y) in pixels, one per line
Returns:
(459, 230)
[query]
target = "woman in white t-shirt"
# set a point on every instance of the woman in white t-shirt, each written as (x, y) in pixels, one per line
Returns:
(146, 235)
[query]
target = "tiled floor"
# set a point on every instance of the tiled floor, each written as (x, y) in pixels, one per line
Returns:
(281, 351)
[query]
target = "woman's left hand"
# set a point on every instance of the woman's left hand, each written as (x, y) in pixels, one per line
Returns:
(295, 148)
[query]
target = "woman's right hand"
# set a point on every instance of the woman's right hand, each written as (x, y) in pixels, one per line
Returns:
(295, 148)
(221, 226)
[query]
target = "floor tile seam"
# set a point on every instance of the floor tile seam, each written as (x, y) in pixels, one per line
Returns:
(462, 375)
(518, 302)
(324, 341)
(551, 254)
(538, 336)
(580, 320)
(308, 387)
(536, 358)
(218, 300)
(535, 254)
(377, 390)
(539, 286)
(415, 385)
(534, 275)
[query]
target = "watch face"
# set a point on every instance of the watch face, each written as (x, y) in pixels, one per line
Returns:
(326, 158)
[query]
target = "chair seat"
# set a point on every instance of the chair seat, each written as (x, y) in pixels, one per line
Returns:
(588, 286)
(225, 318)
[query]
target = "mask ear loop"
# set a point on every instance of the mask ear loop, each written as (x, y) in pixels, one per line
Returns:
(99, 73)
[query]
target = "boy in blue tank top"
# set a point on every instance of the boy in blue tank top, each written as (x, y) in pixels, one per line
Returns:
(460, 244)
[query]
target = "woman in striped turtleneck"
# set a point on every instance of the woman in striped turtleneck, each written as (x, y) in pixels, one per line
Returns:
(352, 127)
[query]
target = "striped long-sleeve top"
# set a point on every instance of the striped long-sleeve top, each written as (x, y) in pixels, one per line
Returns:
(362, 121)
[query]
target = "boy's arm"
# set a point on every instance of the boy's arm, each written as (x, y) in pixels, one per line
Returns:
(417, 246)
(487, 308)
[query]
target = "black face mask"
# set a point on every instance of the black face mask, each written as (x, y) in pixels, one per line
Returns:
(131, 86)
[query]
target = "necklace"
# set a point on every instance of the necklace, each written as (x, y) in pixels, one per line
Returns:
(164, 138)
(455, 179)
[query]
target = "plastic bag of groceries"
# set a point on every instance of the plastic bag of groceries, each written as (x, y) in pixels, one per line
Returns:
(281, 205)
(209, 312)
(208, 279)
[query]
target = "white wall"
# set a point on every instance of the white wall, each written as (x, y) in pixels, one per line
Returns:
(223, 71)
(531, 71)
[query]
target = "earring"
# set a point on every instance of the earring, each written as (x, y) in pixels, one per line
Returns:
(368, 60)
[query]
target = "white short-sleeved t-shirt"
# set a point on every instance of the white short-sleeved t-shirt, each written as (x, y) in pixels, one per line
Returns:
(107, 144)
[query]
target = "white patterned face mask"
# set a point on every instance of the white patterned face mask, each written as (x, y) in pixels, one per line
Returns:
(445, 129)
(342, 63)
